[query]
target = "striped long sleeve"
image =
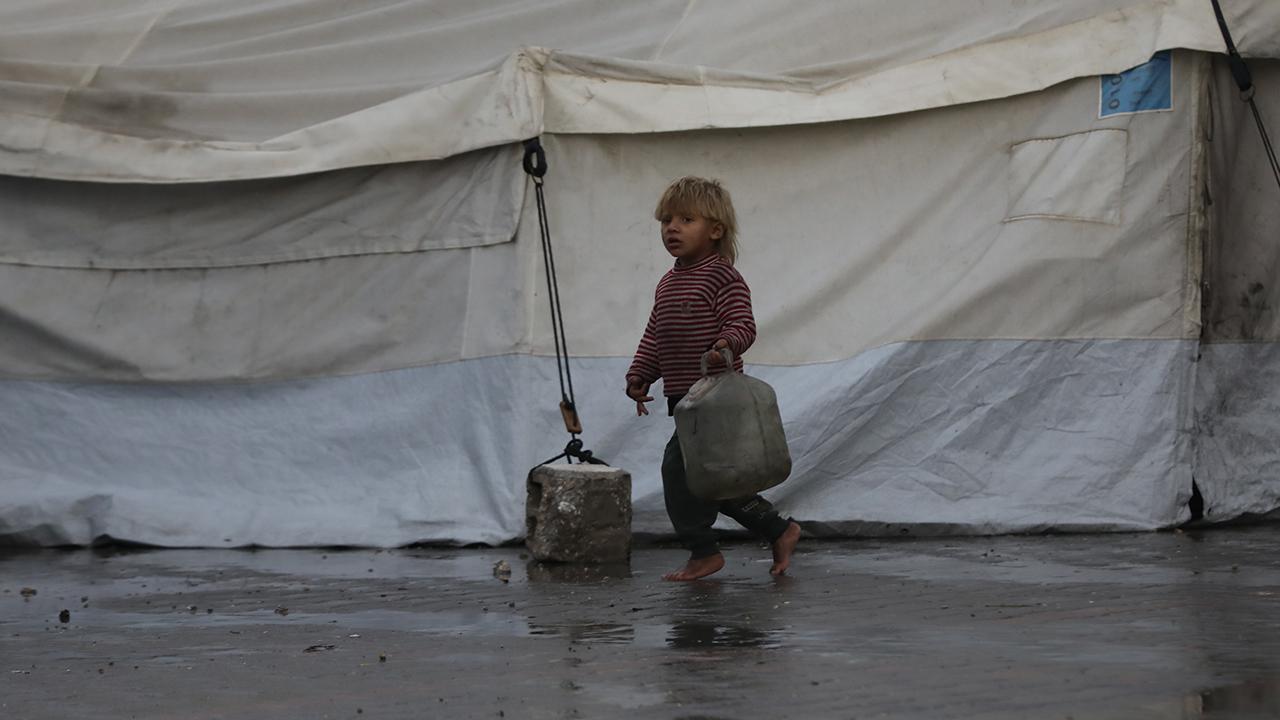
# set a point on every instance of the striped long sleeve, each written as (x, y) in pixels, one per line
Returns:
(733, 312)
(693, 308)
(645, 367)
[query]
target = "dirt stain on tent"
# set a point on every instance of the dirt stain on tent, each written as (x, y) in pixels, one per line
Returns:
(121, 112)
(1256, 312)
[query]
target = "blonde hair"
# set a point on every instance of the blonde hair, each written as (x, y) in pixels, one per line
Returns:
(709, 199)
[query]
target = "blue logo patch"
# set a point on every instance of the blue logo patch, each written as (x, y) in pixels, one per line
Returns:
(1146, 88)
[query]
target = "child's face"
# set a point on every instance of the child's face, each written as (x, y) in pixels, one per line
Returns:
(689, 237)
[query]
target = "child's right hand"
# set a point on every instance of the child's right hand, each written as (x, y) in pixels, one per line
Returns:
(640, 393)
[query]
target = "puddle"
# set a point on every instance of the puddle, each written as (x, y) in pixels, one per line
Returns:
(1242, 701)
(701, 635)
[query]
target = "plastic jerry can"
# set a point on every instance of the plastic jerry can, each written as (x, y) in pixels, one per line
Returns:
(730, 433)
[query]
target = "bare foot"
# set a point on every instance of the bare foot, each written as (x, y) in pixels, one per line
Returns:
(698, 568)
(782, 549)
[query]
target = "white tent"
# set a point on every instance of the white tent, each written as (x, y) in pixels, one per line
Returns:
(270, 273)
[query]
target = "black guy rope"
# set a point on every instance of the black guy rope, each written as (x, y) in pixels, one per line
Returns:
(1244, 80)
(535, 164)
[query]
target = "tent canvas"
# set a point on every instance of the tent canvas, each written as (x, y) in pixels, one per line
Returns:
(269, 274)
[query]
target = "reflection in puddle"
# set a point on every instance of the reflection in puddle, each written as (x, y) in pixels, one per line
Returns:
(1253, 699)
(605, 633)
(683, 635)
(707, 635)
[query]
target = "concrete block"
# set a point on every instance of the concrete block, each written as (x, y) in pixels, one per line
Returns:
(579, 514)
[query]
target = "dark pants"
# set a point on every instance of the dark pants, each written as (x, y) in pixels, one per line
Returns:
(693, 517)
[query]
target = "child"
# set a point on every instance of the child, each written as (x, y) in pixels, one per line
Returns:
(702, 304)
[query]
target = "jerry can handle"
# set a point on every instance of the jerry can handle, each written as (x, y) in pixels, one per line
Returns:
(725, 352)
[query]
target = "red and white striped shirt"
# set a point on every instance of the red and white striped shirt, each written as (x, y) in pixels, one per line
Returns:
(693, 308)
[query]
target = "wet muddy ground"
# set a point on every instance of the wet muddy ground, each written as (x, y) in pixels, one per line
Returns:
(1170, 625)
